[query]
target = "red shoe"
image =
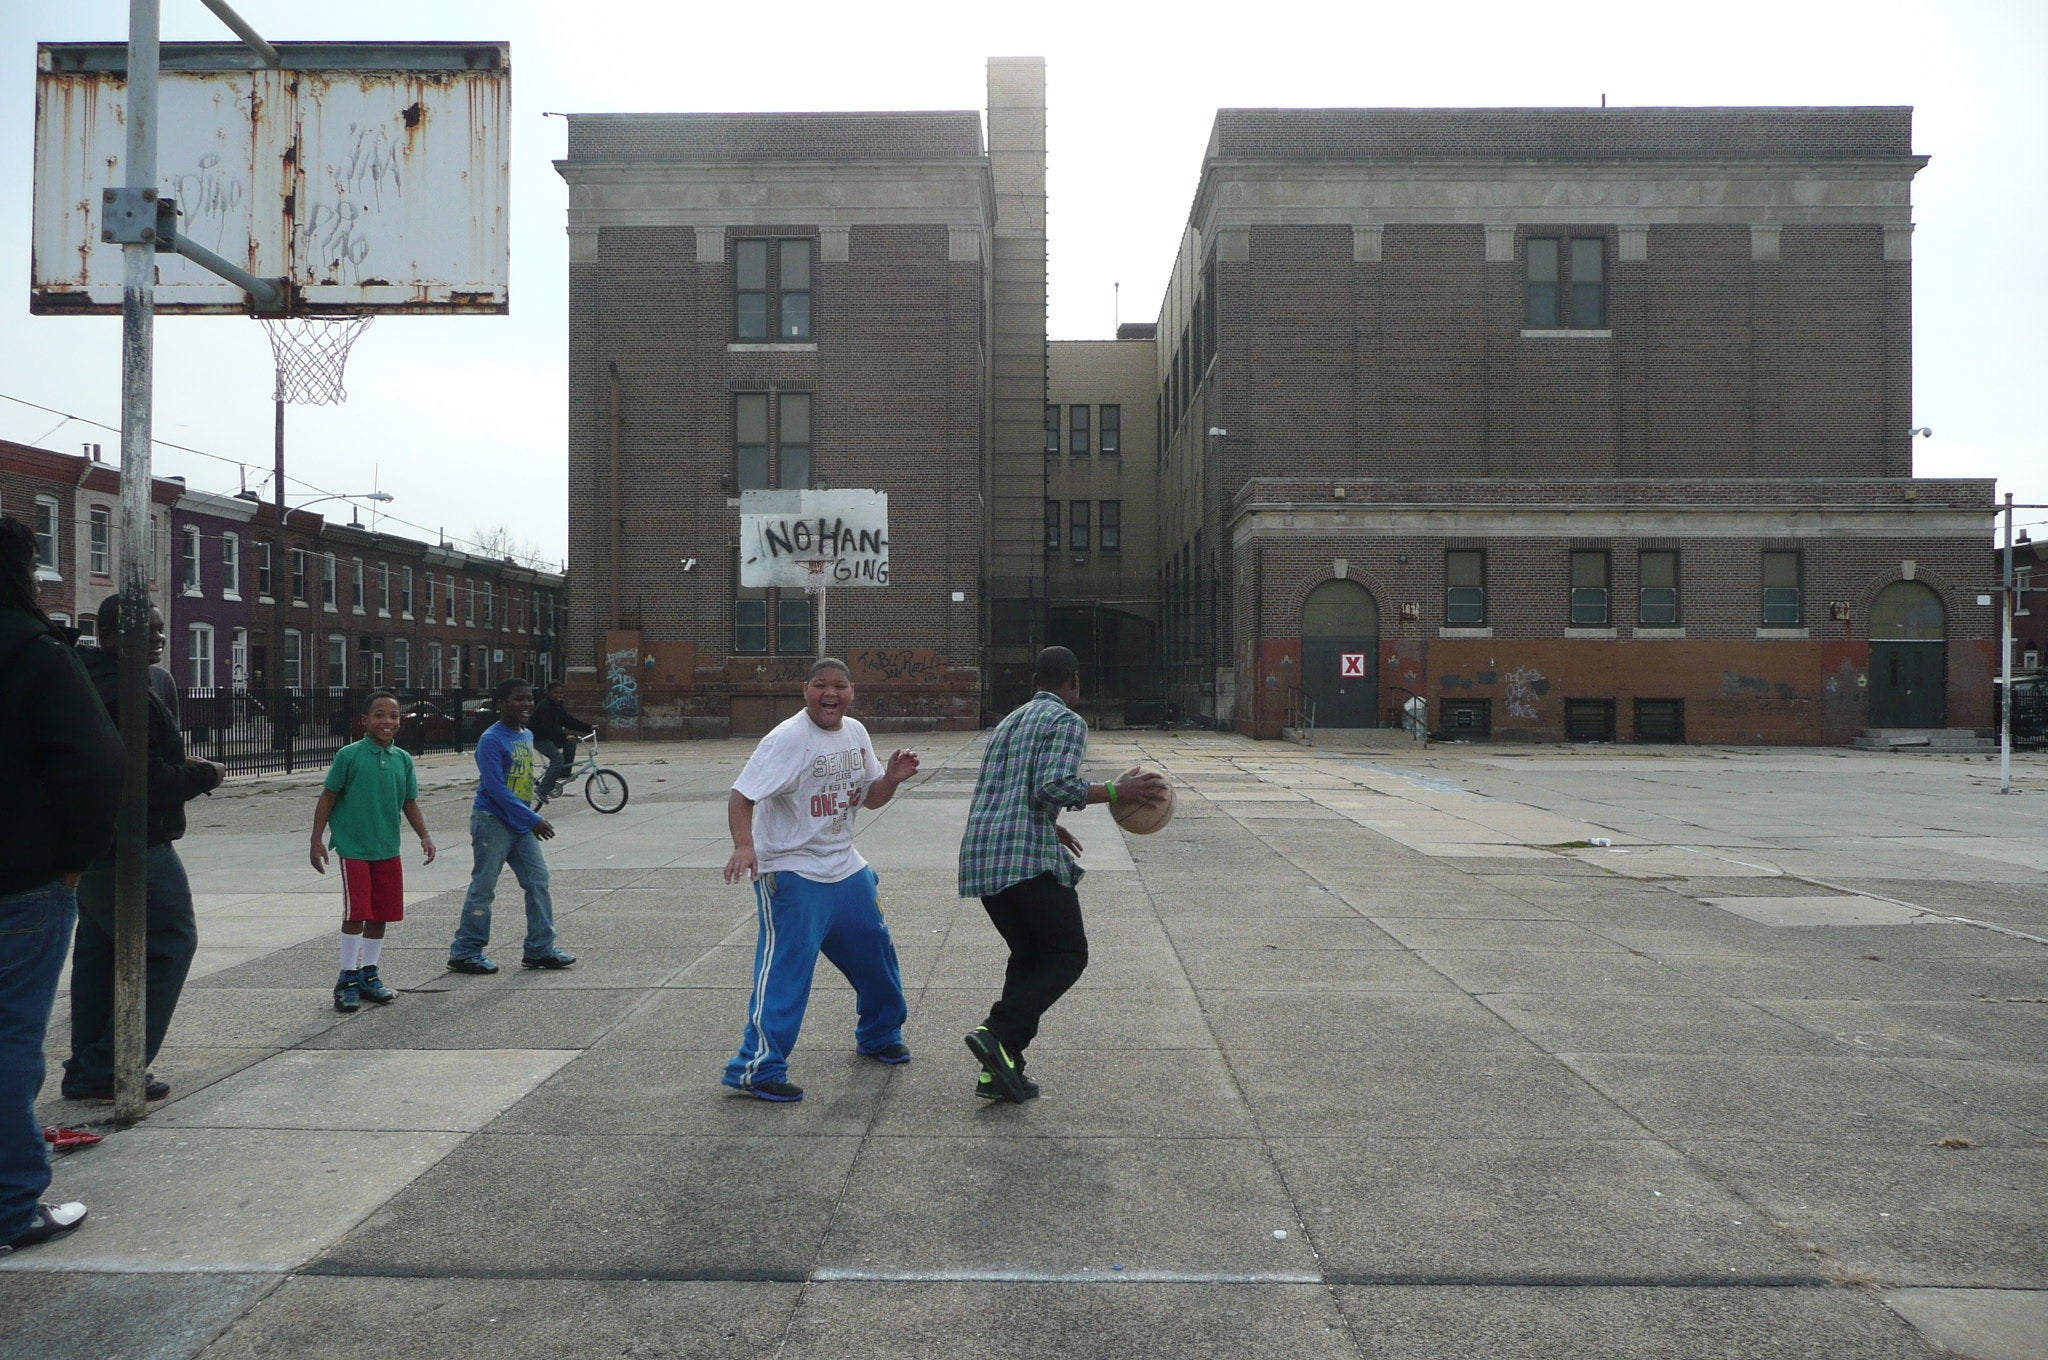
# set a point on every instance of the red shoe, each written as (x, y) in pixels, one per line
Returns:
(70, 1140)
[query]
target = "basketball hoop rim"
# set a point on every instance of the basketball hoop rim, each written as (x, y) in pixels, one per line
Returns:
(814, 579)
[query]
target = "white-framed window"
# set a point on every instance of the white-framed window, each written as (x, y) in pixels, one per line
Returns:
(2022, 583)
(294, 659)
(330, 582)
(193, 545)
(401, 662)
(384, 589)
(433, 665)
(469, 607)
(88, 627)
(405, 591)
(46, 538)
(490, 606)
(100, 540)
(199, 655)
(337, 663)
(452, 587)
(356, 585)
(231, 566)
(238, 659)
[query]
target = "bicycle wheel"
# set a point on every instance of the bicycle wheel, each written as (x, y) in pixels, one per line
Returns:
(606, 790)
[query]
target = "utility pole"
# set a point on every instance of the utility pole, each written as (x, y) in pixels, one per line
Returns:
(2005, 663)
(133, 218)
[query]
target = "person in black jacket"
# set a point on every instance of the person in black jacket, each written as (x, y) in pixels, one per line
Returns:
(555, 730)
(60, 760)
(173, 934)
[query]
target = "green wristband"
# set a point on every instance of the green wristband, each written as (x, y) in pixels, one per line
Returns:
(1111, 786)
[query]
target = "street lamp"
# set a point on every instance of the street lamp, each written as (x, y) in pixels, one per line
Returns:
(345, 496)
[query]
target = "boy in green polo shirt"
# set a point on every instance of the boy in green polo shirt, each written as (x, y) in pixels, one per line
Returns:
(369, 785)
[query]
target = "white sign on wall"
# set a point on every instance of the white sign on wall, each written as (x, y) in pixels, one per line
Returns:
(1353, 664)
(782, 533)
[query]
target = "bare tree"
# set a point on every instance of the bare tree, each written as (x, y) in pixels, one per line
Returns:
(502, 541)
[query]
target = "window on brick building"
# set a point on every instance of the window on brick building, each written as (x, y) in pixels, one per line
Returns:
(771, 457)
(384, 588)
(2022, 585)
(193, 546)
(293, 660)
(337, 663)
(330, 582)
(100, 533)
(1112, 429)
(264, 582)
(1077, 429)
(793, 440)
(356, 587)
(1052, 429)
(1566, 287)
(772, 289)
(231, 566)
(1657, 590)
(1052, 526)
(765, 615)
(1110, 515)
(405, 591)
(46, 534)
(1077, 526)
(1464, 587)
(299, 575)
(1589, 590)
(1781, 593)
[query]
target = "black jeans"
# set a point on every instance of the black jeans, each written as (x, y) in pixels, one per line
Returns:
(171, 939)
(1040, 919)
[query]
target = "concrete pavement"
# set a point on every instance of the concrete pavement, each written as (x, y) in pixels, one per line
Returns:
(1377, 1055)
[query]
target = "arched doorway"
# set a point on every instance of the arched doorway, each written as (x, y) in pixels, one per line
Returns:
(1908, 657)
(1340, 643)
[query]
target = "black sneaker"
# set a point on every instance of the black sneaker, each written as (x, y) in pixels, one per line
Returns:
(373, 988)
(49, 1221)
(348, 991)
(1003, 1071)
(985, 1087)
(781, 1092)
(153, 1090)
(893, 1054)
(478, 964)
(561, 958)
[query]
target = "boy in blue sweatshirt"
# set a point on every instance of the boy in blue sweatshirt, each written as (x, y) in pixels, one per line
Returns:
(504, 829)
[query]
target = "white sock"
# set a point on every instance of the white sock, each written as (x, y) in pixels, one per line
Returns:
(372, 947)
(351, 952)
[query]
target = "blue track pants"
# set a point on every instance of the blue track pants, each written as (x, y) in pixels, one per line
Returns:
(799, 919)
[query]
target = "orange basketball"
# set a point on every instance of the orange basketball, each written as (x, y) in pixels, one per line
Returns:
(1142, 820)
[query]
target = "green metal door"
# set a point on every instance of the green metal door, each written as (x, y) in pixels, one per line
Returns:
(1908, 658)
(1340, 640)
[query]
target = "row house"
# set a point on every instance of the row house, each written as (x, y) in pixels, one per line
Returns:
(319, 607)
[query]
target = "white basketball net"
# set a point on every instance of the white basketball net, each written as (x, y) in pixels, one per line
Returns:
(311, 352)
(814, 583)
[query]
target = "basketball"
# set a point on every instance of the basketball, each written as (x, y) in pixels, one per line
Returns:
(1142, 820)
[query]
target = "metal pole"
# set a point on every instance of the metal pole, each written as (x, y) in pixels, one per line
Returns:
(138, 315)
(283, 711)
(2005, 664)
(245, 31)
(821, 623)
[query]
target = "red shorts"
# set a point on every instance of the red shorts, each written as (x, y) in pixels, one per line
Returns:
(373, 889)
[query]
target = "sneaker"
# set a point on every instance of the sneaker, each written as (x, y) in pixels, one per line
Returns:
(49, 1220)
(780, 1091)
(348, 991)
(893, 1054)
(153, 1090)
(373, 988)
(985, 1087)
(561, 958)
(479, 964)
(1004, 1073)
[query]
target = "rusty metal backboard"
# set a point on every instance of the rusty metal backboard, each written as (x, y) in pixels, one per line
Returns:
(374, 177)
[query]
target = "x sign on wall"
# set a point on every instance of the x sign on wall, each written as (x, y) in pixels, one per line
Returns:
(1353, 664)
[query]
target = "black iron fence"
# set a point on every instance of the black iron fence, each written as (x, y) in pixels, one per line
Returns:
(261, 731)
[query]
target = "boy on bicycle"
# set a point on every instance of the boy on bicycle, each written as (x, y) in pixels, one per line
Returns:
(555, 730)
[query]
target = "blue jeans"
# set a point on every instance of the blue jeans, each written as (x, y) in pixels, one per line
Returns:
(493, 845)
(171, 940)
(35, 935)
(560, 759)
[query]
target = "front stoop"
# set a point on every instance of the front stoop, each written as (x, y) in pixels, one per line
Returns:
(1943, 739)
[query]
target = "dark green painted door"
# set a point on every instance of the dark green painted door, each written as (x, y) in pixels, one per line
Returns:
(1908, 684)
(1340, 640)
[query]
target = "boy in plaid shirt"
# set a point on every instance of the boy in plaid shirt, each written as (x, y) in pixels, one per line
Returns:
(1020, 862)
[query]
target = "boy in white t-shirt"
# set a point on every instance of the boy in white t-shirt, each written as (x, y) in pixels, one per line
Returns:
(791, 814)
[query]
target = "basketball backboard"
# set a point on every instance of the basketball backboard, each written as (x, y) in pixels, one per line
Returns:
(372, 177)
(783, 533)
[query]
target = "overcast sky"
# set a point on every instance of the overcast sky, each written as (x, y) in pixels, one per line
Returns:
(464, 420)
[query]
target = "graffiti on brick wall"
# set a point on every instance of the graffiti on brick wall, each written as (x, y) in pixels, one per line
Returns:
(1525, 686)
(622, 689)
(901, 663)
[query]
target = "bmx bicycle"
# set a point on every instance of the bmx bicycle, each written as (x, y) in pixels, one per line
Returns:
(605, 790)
